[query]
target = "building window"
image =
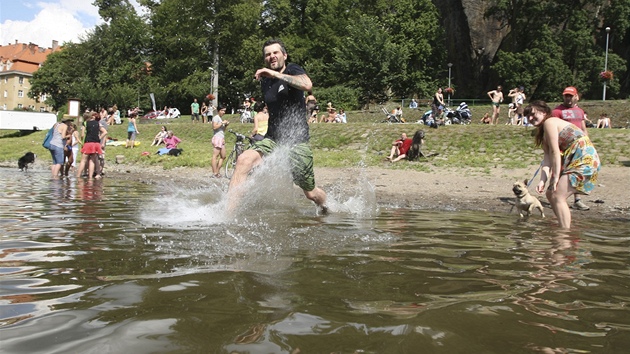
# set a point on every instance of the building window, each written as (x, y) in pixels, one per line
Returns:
(20, 106)
(6, 94)
(20, 80)
(20, 93)
(42, 109)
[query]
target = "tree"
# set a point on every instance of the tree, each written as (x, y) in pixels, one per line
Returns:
(113, 9)
(376, 48)
(58, 77)
(414, 26)
(369, 60)
(109, 62)
(552, 44)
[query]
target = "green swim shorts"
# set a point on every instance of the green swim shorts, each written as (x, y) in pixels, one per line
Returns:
(301, 158)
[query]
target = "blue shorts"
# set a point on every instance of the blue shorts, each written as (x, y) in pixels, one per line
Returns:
(57, 154)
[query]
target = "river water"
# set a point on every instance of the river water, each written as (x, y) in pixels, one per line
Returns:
(115, 266)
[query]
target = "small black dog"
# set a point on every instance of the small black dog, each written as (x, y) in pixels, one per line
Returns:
(26, 160)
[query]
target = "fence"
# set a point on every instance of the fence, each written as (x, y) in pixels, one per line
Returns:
(423, 103)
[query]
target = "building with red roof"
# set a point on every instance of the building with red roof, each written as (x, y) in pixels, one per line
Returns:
(18, 62)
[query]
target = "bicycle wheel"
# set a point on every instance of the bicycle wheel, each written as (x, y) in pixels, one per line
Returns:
(230, 164)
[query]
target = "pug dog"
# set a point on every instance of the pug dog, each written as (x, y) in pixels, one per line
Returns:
(525, 202)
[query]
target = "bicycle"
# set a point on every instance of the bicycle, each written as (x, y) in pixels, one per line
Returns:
(239, 147)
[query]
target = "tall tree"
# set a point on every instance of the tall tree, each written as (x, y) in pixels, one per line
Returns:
(369, 60)
(105, 67)
(58, 77)
(566, 28)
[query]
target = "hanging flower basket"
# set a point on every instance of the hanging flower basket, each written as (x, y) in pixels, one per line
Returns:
(606, 75)
(449, 90)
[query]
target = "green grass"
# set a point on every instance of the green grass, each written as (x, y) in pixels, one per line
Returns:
(364, 141)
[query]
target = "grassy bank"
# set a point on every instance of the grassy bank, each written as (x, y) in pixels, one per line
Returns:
(363, 141)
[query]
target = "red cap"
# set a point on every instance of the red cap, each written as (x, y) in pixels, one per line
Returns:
(570, 91)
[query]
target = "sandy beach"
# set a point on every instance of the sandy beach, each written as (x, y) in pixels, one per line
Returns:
(451, 189)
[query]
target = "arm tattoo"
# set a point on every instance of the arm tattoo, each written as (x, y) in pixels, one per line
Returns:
(297, 81)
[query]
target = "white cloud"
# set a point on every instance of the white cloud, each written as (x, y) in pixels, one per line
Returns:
(60, 20)
(52, 21)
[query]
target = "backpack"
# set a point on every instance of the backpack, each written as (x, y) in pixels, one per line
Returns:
(48, 138)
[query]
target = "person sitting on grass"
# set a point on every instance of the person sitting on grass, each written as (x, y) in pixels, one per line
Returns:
(486, 119)
(399, 148)
(160, 136)
(398, 113)
(170, 143)
(603, 121)
(342, 117)
(330, 116)
(313, 118)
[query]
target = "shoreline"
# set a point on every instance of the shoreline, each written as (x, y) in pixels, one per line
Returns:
(451, 189)
(448, 189)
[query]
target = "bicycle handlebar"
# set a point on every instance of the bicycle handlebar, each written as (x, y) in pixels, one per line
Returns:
(239, 136)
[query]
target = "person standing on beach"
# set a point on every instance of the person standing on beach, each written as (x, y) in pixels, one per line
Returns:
(438, 103)
(204, 112)
(497, 98)
(218, 141)
(132, 131)
(283, 85)
(570, 112)
(518, 99)
(194, 111)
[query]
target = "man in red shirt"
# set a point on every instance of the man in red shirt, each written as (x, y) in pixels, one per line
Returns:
(568, 109)
(570, 112)
(400, 148)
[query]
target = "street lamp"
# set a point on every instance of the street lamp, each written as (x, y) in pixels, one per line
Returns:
(211, 79)
(606, 63)
(450, 65)
(214, 84)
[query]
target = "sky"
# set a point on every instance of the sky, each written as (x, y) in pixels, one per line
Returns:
(42, 21)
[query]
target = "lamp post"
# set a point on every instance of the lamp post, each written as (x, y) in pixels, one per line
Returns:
(450, 65)
(211, 81)
(606, 63)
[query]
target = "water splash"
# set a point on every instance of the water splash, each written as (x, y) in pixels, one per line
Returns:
(269, 190)
(179, 207)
